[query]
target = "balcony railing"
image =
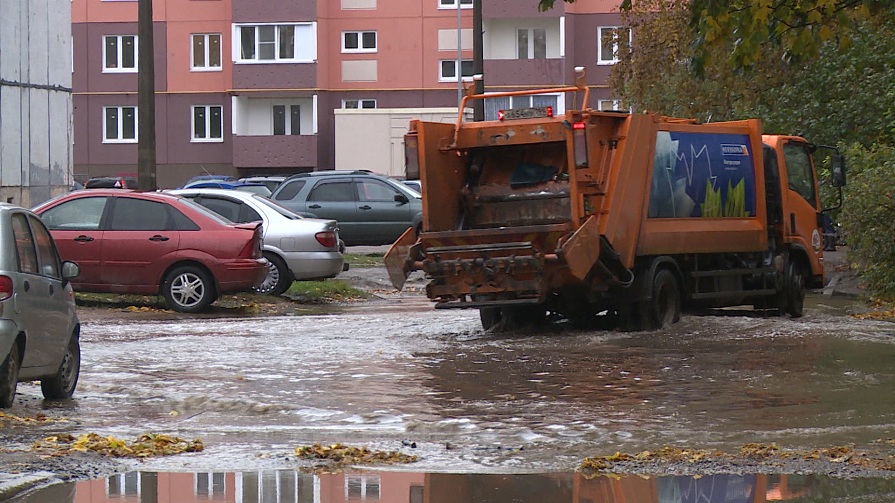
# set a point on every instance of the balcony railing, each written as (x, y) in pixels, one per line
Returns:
(527, 72)
(280, 151)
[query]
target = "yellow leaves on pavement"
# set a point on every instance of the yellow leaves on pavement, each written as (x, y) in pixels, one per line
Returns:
(39, 418)
(144, 446)
(343, 455)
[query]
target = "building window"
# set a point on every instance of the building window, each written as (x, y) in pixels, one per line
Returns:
(267, 43)
(531, 43)
(447, 70)
(363, 103)
(493, 105)
(358, 41)
(120, 53)
(120, 124)
(452, 4)
(209, 485)
(609, 40)
(128, 484)
(362, 487)
(608, 105)
(286, 120)
(206, 52)
(208, 123)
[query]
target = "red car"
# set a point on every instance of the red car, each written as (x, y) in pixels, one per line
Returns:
(150, 242)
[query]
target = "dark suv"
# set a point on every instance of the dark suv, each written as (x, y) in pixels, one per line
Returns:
(371, 209)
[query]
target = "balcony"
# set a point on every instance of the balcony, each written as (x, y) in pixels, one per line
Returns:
(526, 73)
(280, 151)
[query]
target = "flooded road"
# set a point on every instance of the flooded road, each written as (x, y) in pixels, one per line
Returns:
(395, 374)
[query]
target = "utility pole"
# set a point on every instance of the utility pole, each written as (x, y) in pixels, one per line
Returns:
(478, 52)
(146, 168)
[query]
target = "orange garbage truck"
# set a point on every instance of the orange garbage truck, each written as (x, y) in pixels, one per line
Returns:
(607, 217)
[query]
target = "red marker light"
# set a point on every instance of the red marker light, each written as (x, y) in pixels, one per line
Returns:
(578, 125)
(500, 115)
(549, 111)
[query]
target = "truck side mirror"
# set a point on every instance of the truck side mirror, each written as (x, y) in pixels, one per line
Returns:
(837, 168)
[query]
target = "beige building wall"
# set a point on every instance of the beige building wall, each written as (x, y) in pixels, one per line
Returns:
(373, 138)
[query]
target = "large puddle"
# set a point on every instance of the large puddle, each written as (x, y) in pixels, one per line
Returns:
(289, 486)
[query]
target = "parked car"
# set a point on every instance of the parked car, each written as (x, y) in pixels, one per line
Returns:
(152, 243)
(270, 181)
(208, 178)
(254, 188)
(414, 184)
(111, 182)
(297, 248)
(39, 328)
(371, 209)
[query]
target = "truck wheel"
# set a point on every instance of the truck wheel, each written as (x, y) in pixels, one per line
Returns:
(188, 289)
(795, 290)
(9, 377)
(490, 317)
(665, 307)
(62, 385)
(278, 278)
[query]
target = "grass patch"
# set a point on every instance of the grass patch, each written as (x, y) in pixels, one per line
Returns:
(117, 300)
(330, 290)
(365, 259)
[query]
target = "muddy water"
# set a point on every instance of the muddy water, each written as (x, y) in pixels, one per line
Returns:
(394, 375)
(289, 486)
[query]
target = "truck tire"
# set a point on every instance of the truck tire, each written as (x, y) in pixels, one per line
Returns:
(62, 385)
(9, 377)
(795, 290)
(490, 317)
(664, 309)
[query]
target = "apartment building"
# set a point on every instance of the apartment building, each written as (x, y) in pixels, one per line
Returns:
(246, 87)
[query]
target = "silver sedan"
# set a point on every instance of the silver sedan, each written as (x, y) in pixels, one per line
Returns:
(297, 248)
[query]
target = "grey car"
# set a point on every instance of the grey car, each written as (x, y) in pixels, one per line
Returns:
(39, 328)
(371, 209)
(297, 248)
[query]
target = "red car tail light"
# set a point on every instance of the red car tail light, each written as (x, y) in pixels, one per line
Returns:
(252, 249)
(6, 289)
(327, 239)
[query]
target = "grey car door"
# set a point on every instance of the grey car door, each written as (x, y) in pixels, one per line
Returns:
(41, 302)
(381, 218)
(336, 200)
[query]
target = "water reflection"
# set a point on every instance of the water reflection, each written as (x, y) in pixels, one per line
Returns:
(289, 486)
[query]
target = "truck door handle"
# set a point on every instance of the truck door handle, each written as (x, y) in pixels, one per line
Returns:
(314, 206)
(83, 239)
(365, 207)
(159, 238)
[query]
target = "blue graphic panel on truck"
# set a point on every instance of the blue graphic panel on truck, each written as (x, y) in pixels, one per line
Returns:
(702, 175)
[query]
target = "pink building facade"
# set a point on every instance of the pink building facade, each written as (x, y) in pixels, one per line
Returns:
(246, 87)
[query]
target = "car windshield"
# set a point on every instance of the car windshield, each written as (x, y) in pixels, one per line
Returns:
(291, 215)
(403, 188)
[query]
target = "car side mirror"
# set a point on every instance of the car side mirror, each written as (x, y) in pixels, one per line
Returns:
(70, 271)
(401, 198)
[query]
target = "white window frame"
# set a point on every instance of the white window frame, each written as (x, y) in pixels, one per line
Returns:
(614, 59)
(531, 44)
(457, 71)
(207, 490)
(206, 43)
(514, 102)
(120, 119)
(360, 42)
(208, 118)
(287, 117)
(613, 105)
(298, 29)
(117, 486)
(358, 103)
(452, 4)
(120, 45)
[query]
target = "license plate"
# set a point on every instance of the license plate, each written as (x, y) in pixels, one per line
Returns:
(526, 113)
